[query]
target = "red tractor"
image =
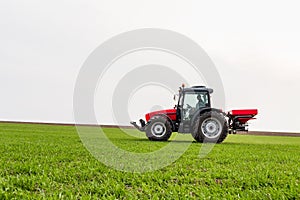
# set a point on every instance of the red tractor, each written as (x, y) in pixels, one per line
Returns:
(194, 114)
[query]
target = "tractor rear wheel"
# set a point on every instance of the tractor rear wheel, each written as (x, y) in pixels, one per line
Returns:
(159, 129)
(210, 127)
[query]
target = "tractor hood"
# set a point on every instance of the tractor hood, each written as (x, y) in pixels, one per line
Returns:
(171, 113)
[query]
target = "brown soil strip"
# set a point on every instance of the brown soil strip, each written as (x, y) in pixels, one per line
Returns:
(64, 124)
(267, 133)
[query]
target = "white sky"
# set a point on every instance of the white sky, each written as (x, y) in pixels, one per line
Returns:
(255, 45)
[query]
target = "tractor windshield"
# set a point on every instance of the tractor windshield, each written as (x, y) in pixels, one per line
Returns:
(196, 100)
(192, 102)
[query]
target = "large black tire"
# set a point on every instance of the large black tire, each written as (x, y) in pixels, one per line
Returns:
(159, 129)
(210, 127)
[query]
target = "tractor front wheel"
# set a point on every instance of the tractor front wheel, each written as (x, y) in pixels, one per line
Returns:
(159, 129)
(210, 127)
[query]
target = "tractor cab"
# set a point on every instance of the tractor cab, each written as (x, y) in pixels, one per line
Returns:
(191, 101)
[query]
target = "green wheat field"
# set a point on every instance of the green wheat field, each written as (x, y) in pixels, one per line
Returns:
(50, 162)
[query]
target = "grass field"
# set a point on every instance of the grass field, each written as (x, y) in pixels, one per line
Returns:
(43, 161)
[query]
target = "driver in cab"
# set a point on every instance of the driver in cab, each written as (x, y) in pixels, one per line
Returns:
(200, 103)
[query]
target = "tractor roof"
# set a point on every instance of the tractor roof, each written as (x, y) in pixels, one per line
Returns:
(198, 89)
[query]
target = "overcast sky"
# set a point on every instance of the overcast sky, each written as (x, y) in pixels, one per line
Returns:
(255, 46)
